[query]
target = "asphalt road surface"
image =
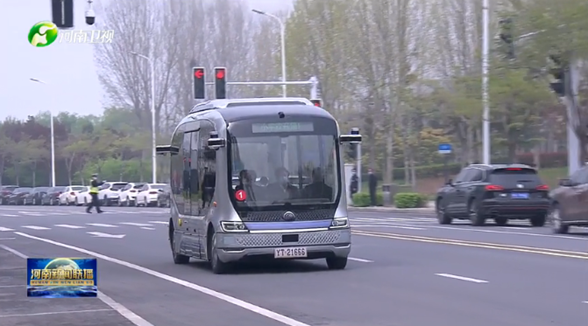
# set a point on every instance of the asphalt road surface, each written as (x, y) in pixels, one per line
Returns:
(406, 270)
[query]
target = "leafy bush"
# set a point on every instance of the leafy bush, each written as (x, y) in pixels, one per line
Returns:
(410, 200)
(362, 199)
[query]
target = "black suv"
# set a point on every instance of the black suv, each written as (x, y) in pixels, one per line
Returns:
(497, 191)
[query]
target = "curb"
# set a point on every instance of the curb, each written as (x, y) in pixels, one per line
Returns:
(391, 209)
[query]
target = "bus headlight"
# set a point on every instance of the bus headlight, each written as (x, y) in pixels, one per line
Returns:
(231, 226)
(339, 222)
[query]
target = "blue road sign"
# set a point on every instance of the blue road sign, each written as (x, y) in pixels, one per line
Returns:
(444, 148)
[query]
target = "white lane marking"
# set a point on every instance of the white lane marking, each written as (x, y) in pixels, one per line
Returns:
(159, 222)
(504, 232)
(103, 225)
(34, 227)
(106, 235)
(461, 278)
(385, 226)
(134, 224)
(221, 296)
(67, 226)
(584, 301)
(361, 260)
(122, 310)
(5, 229)
(9, 215)
(31, 213)
(54, 313)
(147, 228)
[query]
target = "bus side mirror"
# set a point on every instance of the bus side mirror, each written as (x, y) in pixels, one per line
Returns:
(216, 143)
(350, 139)
(166, 149)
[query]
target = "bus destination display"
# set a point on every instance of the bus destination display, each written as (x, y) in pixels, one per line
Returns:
(282, 127)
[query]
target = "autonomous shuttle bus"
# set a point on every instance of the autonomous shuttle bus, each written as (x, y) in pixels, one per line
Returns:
(258, 178)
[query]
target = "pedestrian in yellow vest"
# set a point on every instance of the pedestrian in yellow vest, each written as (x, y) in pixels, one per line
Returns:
(94, 189)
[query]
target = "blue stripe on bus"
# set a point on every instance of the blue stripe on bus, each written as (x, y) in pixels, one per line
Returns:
(288, 225)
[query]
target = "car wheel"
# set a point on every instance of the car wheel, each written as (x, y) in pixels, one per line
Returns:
(501, 220)
(85, 201)
(105, 201)
(337, 262)
(557, 225)
(476, 217)
(77, 204)
(538, 220)
(217, 265)
(442, 216)
(178, 258)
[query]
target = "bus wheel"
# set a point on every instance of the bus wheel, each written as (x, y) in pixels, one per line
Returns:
(217, 265)
(178, 258)
(337, 262)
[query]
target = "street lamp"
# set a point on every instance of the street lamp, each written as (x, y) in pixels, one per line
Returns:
(283, 40)
(52, 137)
(153, 131)
(485, 95)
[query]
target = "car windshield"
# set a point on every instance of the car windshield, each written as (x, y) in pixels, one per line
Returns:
(41, 189)
(77, 188)
(138, 186)
(292, 163)
(511, 177)
(117, 186)
(19, 190)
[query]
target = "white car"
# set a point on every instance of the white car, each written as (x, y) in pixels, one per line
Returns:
(83, 197)
(148, 194)
(68, 196)
(129, 193)
(110, 192)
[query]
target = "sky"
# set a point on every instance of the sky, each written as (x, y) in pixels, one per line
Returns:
(70, 81)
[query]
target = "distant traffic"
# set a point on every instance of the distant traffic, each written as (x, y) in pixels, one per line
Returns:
(111, 194)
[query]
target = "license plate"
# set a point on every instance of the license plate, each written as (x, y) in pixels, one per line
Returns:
(519, 195)
(294, 252)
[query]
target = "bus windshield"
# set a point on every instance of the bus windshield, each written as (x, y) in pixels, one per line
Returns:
(289, 164)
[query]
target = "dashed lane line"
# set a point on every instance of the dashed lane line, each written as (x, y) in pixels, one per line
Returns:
(68, 226)
(135, 224)
(102, 225)
(3, 229)
(34, 227)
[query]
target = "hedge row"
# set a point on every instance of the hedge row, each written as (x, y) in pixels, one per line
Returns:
(547, 160)
(401, 200)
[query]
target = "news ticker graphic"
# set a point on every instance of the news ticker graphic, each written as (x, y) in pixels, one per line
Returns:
(62, 277)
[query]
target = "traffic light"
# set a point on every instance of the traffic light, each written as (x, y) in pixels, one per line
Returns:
(220, 82)
(62, 13)
(199, 83)
(558, 73)
(506, 35)
(316, 103)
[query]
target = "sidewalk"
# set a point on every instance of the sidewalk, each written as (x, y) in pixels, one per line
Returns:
(430, 208)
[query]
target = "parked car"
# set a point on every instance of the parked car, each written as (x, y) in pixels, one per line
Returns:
(34, 197)
(110, 192)
(5, 191)
(68, 197)
(569, 202)
(129, 193)
(497, 191)
(18, 195)
(83, 197)
(52, 196)
(149, 193)
(163, 197)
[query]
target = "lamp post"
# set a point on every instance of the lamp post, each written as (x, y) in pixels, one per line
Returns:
(283, 40)
(153, 131)
(52, 137)
(485, 95)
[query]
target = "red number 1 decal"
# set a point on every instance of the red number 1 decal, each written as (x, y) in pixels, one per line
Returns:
(241, 195)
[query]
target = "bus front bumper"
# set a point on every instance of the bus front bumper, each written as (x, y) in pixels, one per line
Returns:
(232, 247)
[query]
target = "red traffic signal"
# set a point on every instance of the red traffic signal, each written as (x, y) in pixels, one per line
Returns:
(220, 83)
(198, 83)
(198, 73)
(316, 103)
(220, 73)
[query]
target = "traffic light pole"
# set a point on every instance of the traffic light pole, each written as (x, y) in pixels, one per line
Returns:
(571, 85)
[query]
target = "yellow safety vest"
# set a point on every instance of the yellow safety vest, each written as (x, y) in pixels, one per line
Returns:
(93, 190)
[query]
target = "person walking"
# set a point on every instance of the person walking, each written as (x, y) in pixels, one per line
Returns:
(94, 190)
(354, 186)
(373, 185)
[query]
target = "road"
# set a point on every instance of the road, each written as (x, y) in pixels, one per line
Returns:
(406, 270)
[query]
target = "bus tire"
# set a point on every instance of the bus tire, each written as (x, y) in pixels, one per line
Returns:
(217, 265)
(337, 262)
(178, 258)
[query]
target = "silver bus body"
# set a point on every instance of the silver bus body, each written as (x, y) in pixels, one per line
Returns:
(209, 220)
